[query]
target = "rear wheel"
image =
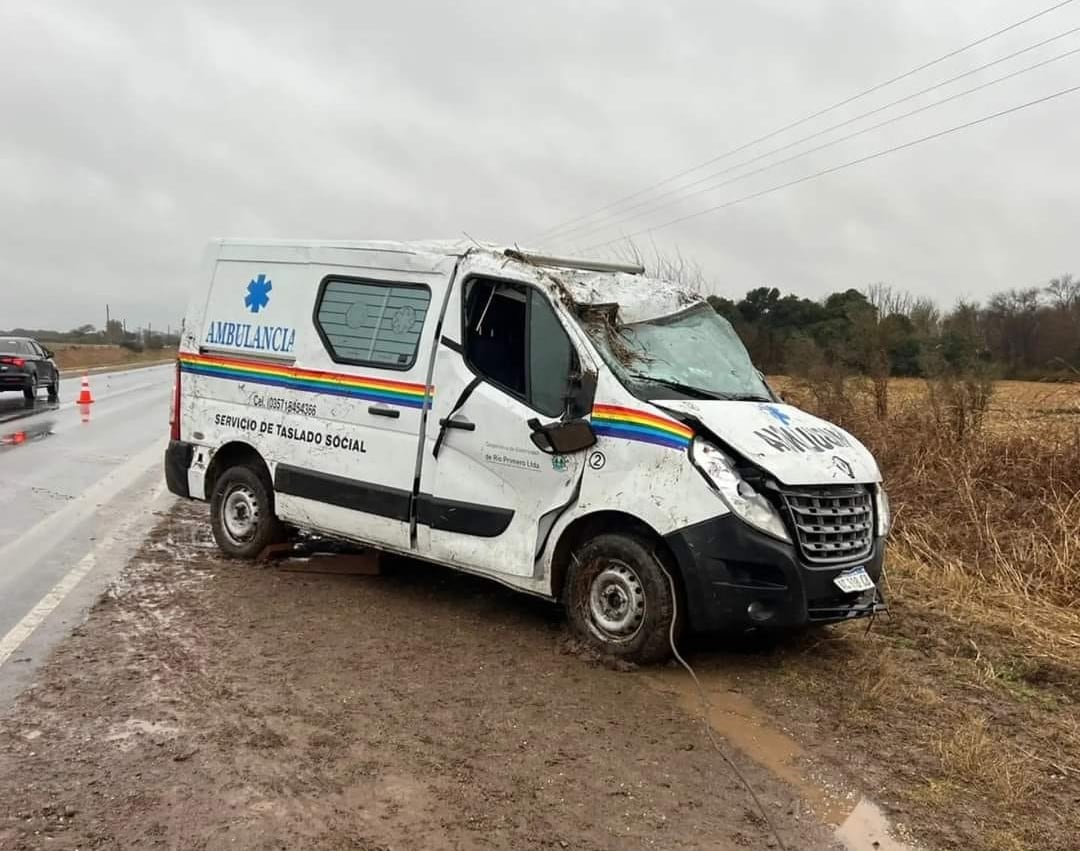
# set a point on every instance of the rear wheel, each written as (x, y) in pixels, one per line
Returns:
(54, 387)
(619, 600)
(242, 513)
(30, 390)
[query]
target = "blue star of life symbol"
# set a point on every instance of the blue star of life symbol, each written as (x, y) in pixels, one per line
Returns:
(776, 413)
(258, 294)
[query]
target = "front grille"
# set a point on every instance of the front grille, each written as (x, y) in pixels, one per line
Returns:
(833, 524)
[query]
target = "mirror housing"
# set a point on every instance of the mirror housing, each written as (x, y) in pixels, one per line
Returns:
(562, 438)
(582, 392)
(48, 353)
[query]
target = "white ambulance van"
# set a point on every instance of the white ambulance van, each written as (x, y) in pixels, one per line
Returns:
(572, 429)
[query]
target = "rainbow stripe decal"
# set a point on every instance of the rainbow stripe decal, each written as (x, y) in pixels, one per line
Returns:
(400, 393)
(628, 424)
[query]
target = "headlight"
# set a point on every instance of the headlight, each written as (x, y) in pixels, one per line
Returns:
(884, 513)
(735, 491)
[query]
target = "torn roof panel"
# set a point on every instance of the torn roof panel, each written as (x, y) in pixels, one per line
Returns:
(639, 298)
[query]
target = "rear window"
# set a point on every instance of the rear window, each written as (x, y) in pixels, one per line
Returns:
(371, 323)
(14, 347)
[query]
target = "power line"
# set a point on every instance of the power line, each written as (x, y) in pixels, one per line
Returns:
(836, 168)
(622, 219)
(552, 230)
(628, 213)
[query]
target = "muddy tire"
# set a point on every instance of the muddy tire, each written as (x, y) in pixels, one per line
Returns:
(618, 599)
(242, 513)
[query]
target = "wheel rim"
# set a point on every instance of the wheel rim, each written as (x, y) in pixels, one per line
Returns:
(616, 605)
(240, 514)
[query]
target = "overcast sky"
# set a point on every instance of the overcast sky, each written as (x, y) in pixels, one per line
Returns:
(131, 132)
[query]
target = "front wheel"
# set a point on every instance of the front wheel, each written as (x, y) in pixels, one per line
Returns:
(619, 600)
(242, 513)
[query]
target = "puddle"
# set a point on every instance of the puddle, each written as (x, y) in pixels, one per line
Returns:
(860, 826)
(867, 827)
(32, 432)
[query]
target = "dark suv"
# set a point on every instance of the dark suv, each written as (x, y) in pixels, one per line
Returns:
(26, 365)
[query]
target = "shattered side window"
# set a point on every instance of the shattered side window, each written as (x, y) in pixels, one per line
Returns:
(372, 323)
(550, 358)
(514, 339)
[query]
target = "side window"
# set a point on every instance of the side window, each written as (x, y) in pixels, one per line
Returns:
(514, 340)
(550, 357)
(370, 323)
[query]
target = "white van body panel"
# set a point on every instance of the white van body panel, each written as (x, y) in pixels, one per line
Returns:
(495, 464)
(628, 474)
(796, 447)
(261, 375)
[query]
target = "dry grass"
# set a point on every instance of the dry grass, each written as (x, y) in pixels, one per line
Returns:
(971, 755)
(73, 356)
(978, 671)
(991, 509)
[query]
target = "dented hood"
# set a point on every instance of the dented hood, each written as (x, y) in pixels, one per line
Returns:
(794, 446)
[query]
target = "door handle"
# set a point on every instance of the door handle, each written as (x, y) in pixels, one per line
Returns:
(448, 423)
(391, 413)
(464, 425)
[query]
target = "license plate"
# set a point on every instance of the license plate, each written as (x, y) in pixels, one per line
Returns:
(854, 580)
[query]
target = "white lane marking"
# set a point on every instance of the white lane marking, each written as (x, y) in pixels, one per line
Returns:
(47, 605)
(117, 368)
(49, 531)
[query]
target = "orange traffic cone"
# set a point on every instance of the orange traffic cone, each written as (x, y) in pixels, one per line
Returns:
(84, 393)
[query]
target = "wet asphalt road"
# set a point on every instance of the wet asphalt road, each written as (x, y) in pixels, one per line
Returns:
(79, 486)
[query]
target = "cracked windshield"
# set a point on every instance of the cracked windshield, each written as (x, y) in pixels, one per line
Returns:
(695, 353)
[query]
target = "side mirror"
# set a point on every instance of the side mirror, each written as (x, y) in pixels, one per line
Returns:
(581, 396)
(562, 438)
(49, 354)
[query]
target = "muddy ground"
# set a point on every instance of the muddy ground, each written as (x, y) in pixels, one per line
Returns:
(211, 704)
(208, 704)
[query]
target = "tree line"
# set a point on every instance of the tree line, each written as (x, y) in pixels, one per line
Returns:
(1027, 333)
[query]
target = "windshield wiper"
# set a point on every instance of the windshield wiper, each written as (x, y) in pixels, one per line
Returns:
(700, 392)
(688, 389)
(747, 397)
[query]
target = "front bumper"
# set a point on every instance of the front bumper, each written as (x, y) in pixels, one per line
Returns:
(728, 566)
(178, 456)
